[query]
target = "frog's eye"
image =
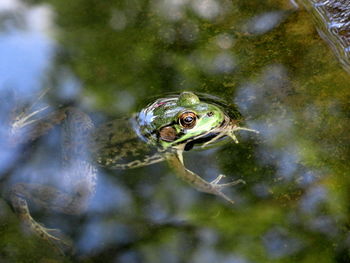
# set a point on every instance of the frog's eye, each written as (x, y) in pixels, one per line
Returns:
(188, 119)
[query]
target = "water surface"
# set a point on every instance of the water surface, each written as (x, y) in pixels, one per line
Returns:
(109, 57)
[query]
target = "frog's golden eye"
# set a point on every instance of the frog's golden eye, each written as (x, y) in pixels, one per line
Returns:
(188, 119)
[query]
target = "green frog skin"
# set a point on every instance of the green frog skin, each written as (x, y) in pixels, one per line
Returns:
(161, 131)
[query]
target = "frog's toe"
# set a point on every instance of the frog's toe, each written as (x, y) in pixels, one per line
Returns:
(63, 246)
(61, 243)
(216, 187)
(52, 230)
(56, 238)
(216, 181)
(217, 191)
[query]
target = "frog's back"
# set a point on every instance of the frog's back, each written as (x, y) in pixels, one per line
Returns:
(117, 144)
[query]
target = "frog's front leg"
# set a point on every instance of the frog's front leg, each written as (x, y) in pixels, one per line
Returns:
(78, 180)
(176, 162)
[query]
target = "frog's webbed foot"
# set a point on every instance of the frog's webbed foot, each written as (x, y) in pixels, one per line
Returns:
(26, 116)
(50, 199)
(31, 122)
(216, 181)
(214, 187)
(53, 236)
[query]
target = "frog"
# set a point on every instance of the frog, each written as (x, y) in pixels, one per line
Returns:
(161, 131)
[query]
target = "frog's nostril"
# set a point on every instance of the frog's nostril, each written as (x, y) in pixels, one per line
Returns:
(209, 114)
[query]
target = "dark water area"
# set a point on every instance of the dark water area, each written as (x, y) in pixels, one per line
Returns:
(111, 58)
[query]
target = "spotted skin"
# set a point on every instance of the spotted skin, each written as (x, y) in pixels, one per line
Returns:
(116, 145)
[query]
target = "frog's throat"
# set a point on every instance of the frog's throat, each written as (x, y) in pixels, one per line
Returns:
(203, 137)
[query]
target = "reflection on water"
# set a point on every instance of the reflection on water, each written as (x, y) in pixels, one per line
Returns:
(333, 21)
(265, 22)
(280, 244)
(107, 59)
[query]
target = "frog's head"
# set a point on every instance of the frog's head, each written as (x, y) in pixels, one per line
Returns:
(182, 120)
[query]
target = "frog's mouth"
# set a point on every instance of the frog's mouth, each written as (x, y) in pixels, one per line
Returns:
(200, 141)
(206, 137)
(227, 129)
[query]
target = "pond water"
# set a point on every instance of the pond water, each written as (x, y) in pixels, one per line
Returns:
(110, 58)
